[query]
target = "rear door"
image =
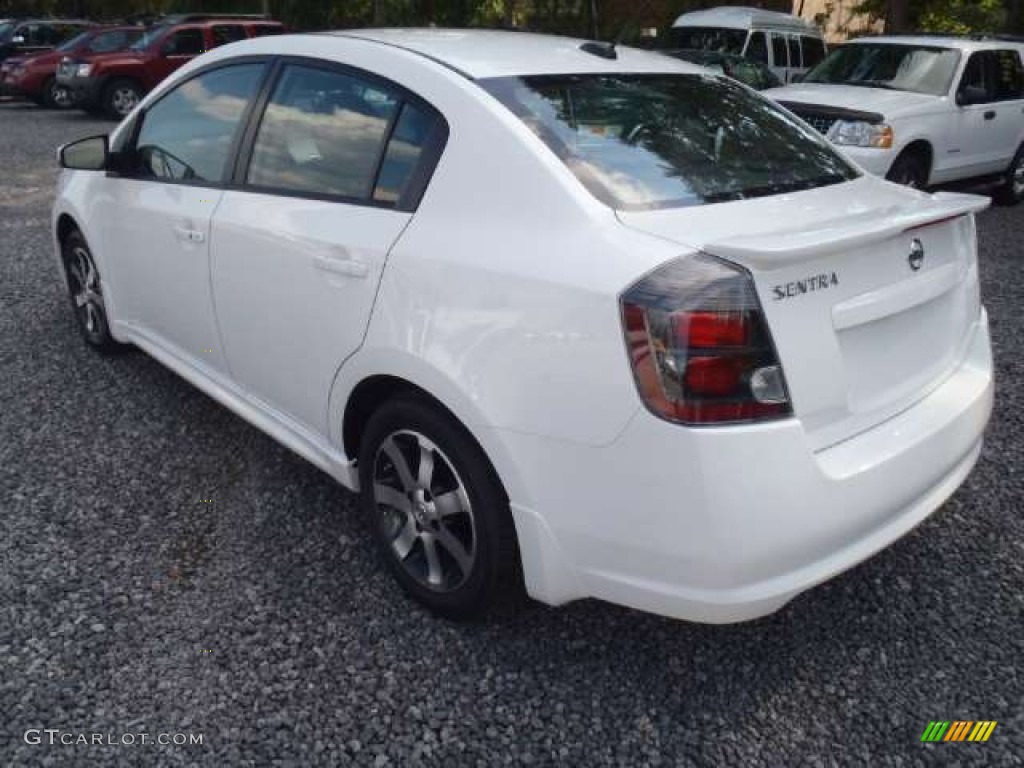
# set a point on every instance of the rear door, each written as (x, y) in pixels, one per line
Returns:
(330, 176)
(158, 231)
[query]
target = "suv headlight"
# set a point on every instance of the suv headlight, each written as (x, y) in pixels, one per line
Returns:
(857, 133)
(83, 70)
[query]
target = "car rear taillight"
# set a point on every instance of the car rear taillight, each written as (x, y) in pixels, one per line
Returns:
(699, 345)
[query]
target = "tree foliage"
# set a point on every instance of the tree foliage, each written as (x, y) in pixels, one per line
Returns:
(958, 17)
(605, 18)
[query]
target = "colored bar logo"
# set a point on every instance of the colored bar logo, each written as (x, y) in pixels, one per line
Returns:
(958, 730)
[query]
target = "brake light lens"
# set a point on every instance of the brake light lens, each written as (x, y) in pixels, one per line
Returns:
(699, 345)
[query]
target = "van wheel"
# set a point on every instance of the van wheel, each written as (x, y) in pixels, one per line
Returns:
(86, 292)
(909, 169)
(439, 514)
(1011, 190)
(120, 98)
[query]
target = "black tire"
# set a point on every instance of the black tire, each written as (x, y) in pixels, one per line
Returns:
(85, 291)
(485, 532)
(120, 97)
(909, 169)
(56, 96)
(1011, 190)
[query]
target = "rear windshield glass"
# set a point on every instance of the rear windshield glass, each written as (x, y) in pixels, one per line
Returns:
(920, 69)
(640, 142)
(718, 39)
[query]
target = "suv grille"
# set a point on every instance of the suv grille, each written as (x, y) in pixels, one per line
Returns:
(820, 123)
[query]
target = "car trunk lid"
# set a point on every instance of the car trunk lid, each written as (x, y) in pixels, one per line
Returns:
(870, 291)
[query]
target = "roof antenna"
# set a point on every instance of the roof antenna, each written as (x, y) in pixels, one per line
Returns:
(606, 50)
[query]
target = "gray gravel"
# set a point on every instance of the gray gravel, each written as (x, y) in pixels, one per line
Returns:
(264, 621)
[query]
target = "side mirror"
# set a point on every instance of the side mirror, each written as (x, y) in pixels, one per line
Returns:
(91, 154)
(971, 94)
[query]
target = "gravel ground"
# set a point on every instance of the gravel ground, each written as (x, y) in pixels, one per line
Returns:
(263, 620)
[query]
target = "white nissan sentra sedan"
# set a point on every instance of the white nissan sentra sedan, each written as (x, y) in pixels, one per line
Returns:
(589, 320)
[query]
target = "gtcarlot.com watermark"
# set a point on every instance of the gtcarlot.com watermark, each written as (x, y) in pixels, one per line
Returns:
(55, 736)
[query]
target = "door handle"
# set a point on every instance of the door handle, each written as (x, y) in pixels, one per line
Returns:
(345, 267)
(990, 115)
(189, 235)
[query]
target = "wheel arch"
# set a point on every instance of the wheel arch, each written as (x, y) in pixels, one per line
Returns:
(922, 148)
(370, 377)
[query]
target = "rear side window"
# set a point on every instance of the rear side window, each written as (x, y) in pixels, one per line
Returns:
(402, 157)
(647, 141)
(227, 33)
(322, 133)
(187, 135)
(757, 48)
(1009, 76)
(780, 55)
(795, 60)
(814, 51)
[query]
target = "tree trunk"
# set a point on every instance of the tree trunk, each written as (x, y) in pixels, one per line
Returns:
(897, 16)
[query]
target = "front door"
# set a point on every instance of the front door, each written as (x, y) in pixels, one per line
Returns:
(298, 251)
(989, 115)
(159, 241)
(177, 49)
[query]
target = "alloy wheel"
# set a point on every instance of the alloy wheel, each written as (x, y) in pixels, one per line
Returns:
(424, 511)
(124, 99)
(85, 290)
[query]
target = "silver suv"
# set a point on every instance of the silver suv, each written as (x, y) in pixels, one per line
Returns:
(922, 110)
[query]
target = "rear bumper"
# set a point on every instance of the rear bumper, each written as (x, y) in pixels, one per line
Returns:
(723, 525)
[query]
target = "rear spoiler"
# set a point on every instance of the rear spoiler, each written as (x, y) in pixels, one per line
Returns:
(775, 249)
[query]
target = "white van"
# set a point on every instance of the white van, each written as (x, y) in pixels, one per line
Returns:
(788, 44)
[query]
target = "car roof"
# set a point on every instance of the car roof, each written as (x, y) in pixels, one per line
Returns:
(940, 41)
(483, 53)
(742, 17)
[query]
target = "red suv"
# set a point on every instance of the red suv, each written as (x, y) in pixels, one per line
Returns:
(33, 76)
(114, 83)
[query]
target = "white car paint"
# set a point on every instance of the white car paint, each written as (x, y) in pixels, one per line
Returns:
(500, 297)
(964, 143)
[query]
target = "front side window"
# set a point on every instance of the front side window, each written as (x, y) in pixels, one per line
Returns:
(187, 135)
(322, 134)
(719, 39)
(814, 51)
(227, 33)
(648, 141)
(184, 42)
(757, 48)
(891, 66)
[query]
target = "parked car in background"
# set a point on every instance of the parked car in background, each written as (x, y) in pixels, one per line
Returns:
(922, 110)
(113, 83)
(34, 76)
(31, 35)
(788, 44)
(557, 310)
(747, 71)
